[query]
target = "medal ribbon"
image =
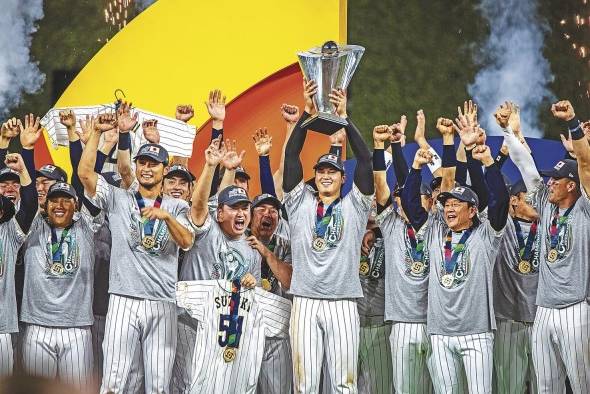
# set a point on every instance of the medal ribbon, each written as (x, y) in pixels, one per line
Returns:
(148, 225)
(323, 219)
(452, 253)
(266, 272)
(525, 251)
(55, 245)
(233, 335)
(557, 223)
(417, 251)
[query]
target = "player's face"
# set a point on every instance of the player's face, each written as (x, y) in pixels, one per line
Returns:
(242, 182)
(43, 184)
(458, 214)
(559, 189)
(329, 181)
(149, 173)
(177, 187)
(234, 220)
(10, 189)
(426, 202)
(265, 219)
(60, 210)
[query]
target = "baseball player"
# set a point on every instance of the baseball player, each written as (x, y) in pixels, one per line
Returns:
(516, 273)
(561, 331)
(233, 324)
(461, 250)
(57, 299)
(220, 251)
(326, 231)
(178, 182)
(13, 230)
(149, 229)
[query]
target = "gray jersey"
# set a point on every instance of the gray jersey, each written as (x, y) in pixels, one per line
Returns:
(467, 306)
(565, 281)
(216, 256)
(326, 267)
(11, 238)
(137, 271)
(58, 293)
(406, 273)
(218, 368)
(102, 260)
(372, 305)
(515, 284)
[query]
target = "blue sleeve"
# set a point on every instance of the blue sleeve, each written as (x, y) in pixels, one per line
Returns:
(75, 155)
(3, 153)
(461, 173)
(363, 172)
(411, 201)
(28, 194)
(216, 181)
(400, 167)
(499, 197)
(293, 169)
(477, 181)
(267, 183)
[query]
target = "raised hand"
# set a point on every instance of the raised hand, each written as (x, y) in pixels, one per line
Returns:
(567, 143)
(467, 130)
(397, 131)
(184, 113)
(420, 134)
(216, 106)
(310, 88)
(15, 162)
(262, 142)
(67, 118)
(514, 119)
(10, 128)
(469, 111)
(586, 128)
(381, 134)
(502, 115)
(87, 127)
(231, 159)
(150, 131)
(126, 121)
(563, 110)
(422, 157)
(338, 138)
(445, 126)
(30, 133)
(483, 154)
(338, 99)
(215, 152)
(290, 113)
(106, 122)
(481, 136)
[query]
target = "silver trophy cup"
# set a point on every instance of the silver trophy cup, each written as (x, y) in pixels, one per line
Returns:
(331, 67)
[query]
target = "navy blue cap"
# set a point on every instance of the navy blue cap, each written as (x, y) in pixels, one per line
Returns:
(240, 172)
(566, 168)
(232, 195)
(266, 198)
(180, 170)
(461, 193)
(155, 152)
(112, 178)
(517, 187)
(329, 160)
(61, 188)
(435, 183)
(7, 174)
(52, 172)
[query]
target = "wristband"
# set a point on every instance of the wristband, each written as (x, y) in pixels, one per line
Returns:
(575, 128)
(124, 141)
(379, 160)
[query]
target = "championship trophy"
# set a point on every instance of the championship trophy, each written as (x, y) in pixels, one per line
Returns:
(331, 67)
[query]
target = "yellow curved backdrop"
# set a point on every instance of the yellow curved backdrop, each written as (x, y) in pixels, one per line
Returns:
(177, 50)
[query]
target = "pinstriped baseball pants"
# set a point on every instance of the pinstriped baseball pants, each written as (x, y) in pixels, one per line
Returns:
(375, 368)
(6, 355)
(410, 347)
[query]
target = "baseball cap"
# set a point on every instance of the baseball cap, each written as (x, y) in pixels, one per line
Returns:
(61, 188)
(8, 174)
(155, 152)
(52, 172)
(180, 170)
(112, 178)
(566, 168)
(435, 183)
(232, 195)
(425, 189)
(266, 198)
(461, 193)
(329, 160)
(8, 209)
(517, 187)
(240, 172)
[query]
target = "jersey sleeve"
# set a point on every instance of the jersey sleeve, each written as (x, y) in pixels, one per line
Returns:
(293, 199)
(203, 230)
(361, 201)
(104, 195)
(92, 223)
(584, 202)
(386, 220)
(276, 312)
(491, 237)
(15, 234)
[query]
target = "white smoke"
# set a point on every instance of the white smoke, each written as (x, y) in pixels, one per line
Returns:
(18, 72)
(143, 4)
(513, 64)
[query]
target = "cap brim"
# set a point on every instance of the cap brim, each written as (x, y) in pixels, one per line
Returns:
(269, 200)
(325, 164)
(237, 201)
(186, 175)
(151, 158)
(61, 193)
(9, 176)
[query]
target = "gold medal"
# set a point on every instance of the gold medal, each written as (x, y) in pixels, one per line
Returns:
(319, 244)
(148, 242)
(417, 267)
(266, 284)
(229, 354)
(447, 280)
(57, 269)
(364, 268)
(552, 256)
(524, 267)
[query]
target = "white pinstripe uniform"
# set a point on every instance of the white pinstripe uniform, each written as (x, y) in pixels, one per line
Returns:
(141, 310)
(324, 319)
(230, 346)
(515, 290)
(57, 300)
(561, 331)
(406, 301)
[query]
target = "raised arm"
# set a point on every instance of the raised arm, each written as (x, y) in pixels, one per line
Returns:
(231, 161)
(290, 113)
(216, 109)
(126, 121)
(449, 158)
(9, 130)
(499, 196)
(28, 207)
(184, 113)
(411, 201)
(381, 134)
(397, 140)
(213, 156)
(263, 145)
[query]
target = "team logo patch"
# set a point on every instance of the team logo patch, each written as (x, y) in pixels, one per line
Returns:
(154, 149)
(559, 165)
(238, 191)
(230, 265)
(48, 167)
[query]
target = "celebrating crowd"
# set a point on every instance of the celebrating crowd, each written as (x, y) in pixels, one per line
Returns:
(149, 279)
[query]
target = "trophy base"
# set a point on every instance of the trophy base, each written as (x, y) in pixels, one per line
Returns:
(325, 123)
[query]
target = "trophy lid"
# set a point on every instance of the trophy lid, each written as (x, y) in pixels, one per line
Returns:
(332, 49)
